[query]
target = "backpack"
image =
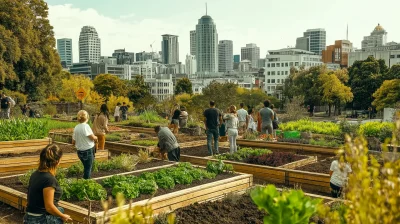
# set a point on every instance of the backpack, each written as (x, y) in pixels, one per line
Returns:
(12, 102)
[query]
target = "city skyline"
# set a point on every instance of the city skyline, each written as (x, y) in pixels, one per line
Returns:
(135, 25)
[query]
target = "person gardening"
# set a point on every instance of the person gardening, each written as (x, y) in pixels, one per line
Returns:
(338, 173)
(167, 143)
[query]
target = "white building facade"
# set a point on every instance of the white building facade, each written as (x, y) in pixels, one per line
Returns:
(225, 56)
(278, 66)
(252, 53)
(89, 45)
(162, 87)
(64, 49)
(206, 45)
(170, 49)
(191, 64)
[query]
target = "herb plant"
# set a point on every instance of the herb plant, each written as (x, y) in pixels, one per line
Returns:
(218, 167)
(129, 190)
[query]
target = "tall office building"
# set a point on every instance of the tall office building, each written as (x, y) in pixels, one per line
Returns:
(89, 45)
(252, 53)
(303, 43)
(225, 56)
(236, 58)
(191, 64)
(206, 45)
(378, 38)
(64, 49)
(193, 42)
(123, 57)
(170, 49)
(317, 40)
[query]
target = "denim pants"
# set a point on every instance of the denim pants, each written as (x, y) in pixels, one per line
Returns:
(86, 158)
(43, 219)
(210, 134)
(336, 191)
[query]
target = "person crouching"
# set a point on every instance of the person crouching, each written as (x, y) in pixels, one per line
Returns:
(167, 143)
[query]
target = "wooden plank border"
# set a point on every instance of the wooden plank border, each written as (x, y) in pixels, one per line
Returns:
(21, 146)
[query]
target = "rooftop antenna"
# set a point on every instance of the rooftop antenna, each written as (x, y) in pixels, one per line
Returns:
(347, 32)
(206, 8)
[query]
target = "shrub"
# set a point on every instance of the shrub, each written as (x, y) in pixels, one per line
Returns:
(50, 109)
(82, 189)
(250, 135)
(23, 129)
(274, 159)
(381, 130)
(145, 142)
(349, 129)
(151, 117)
(323, 142)
(306, 125)
(294, 140)
(242, 154)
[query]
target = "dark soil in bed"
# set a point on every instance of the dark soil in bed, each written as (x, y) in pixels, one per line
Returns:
(201, 151)
(64, 148)
(233, 209)
(10, 215)
(182, 138)
(322, 166)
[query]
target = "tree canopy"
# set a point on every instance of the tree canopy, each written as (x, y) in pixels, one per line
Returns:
(183, 85)
(29, 62)
(107, 85)
(334, 92)
(72, 84)
(387, 95)
(139, 93)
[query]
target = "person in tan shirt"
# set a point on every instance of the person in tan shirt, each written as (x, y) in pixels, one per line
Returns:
(100, 126)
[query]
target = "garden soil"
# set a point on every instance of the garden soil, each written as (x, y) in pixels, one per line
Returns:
(232, 210)
(322, 166)
(10, 215)
(200, 151)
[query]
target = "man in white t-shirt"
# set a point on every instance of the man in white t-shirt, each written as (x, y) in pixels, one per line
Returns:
(243, 117)
(338, 173)
(116, 112)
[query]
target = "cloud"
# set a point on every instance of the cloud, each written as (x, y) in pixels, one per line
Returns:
(115, 33)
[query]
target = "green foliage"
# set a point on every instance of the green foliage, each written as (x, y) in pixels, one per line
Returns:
(128, 189)
(348, 128)
(219, 167)
(54, 124)
(82, 189)
(387, 95)
(139, 93)
(113, 137)
(50, 109)
(24, 179)
(326, 143)
(107, 85)
(145, 142)
(114, 180)
(381, 130)
(243, 153)
(150, 117)
(147, 186)
(316, 127)
(29, 62)
(286, 207)
(22, 129)
(250, 135)
(165, 182)
(75, 169)
(183, 85)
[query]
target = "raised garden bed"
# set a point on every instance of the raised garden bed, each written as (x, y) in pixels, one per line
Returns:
(22, 146)
(163, 201)
(200, 151)
(71, 130)
(322, 166)
(136, 129)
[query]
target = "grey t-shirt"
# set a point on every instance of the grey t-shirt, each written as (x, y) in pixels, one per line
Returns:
(167, 140)
(266, 114)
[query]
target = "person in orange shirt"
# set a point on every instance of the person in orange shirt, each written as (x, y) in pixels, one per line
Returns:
(100, 126)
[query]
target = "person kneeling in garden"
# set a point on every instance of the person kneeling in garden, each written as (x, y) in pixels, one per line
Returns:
(44, 192)
(167, 143)
(338, 173)
(84, 141)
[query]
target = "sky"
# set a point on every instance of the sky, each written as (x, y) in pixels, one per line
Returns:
(136, 24)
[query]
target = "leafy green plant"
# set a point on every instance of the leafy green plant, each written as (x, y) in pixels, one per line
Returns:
(145, 142)
(381, 130)
(113, 137)
(242, 154)
(147, 186)
(128, 189)
(22, 129)
(75, 169)
(24, 179)
(116, 179)
(181, 176)
(82, 189)
(286, 207)
(165, 182)
(323, 142)
(150, 117)
(316, 127)
(218, 167)
(250, 135)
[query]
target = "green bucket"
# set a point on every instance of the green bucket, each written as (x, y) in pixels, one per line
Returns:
(291, 134)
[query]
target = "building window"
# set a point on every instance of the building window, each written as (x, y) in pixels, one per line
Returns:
(268, 65)
(398, 56)
(296, 64)
(286, 72)
(273, 81)
(279, 72)
(268, 88)
(291, 64)
(268, 81)
(278, 65)
(273, 65)
(269, 73)
(282, 65)
(286, 64)
(272, 73)
(278, 81)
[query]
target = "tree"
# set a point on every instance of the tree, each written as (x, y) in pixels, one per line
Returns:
(334, 91)
(29, 62)
(387, 95)
(71, 85)
(393, 73)
(139, 93)
(254, 97)
(183, 85)
(107, 85)
(365, 77)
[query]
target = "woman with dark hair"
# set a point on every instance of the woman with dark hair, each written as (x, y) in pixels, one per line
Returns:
(252, 127)
(44, 192)
(100, 126)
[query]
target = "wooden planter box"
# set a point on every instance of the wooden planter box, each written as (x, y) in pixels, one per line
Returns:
(276, 175)
(22, 164)
(159, 204)
(136, 129)
(288, 146)
(21, 146)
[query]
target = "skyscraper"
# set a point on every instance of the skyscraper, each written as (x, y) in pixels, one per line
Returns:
(89, 45)
(170, 49)
(64, 49)
(191, 65)
(123, 57)
(225, 56)
(252, 53)
(193, 42)
(206, 45)
(317, 40)
(303, 43)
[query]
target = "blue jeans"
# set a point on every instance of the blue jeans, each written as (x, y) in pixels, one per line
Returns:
(43, 219)
(86, 158)
(210, 134)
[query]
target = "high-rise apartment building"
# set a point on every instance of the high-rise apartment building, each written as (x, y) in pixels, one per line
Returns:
(252, 53)
(64, 49)
(170, 49)
(206, 45)
(236, 58)
(193, 42)
(377, 38)
(123, 57)
(303, 43)
(89, 45)
(317, 40)
(338, 53)
(191, 64)
(225, 56)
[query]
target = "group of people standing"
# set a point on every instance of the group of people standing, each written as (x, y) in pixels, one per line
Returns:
(179, 118)
(121, 111)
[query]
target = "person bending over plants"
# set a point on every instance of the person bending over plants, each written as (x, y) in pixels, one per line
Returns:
(338, 173)
(44, 192)
(100, 126)
(84, 141)
(167, 143)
